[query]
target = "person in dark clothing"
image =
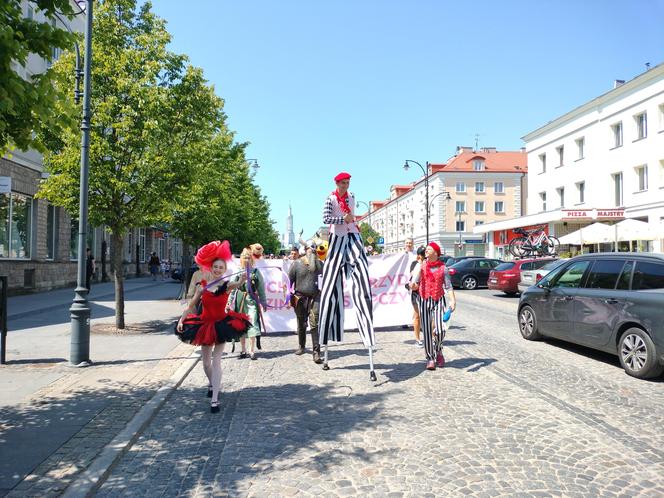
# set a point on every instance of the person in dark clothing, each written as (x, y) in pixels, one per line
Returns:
(303, 274)
(89, 267)
(154, 265)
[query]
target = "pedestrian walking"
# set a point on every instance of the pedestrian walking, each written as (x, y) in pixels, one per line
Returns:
(303, 275)
(90, 268)
(346, 258)
(413, 287)
(154, 265)
(246, 302)
(436, 295)
(215, 325)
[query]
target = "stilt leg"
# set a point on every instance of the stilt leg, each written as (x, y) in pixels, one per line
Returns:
(372, 374)
(325, 365)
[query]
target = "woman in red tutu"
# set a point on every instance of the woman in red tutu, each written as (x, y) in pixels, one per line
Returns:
(215, 325)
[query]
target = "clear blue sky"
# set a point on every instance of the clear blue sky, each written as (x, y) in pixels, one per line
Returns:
(360, 85)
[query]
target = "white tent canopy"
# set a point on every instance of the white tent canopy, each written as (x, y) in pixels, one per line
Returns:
(630, 229)
(597, 233)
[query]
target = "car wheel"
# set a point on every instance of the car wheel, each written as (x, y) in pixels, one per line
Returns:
(528, 324)
(638, 355)
(469, 282)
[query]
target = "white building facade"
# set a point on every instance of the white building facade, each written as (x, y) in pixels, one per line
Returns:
(603, 161)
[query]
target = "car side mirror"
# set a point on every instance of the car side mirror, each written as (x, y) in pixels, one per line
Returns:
(546, 285)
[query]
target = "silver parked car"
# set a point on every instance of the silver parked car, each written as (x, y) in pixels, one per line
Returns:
(612, 302)
(531, 277)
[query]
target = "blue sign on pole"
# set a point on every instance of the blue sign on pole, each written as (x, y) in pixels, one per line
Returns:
(381, 240)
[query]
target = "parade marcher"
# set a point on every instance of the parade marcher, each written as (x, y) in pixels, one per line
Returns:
(303, 275)
(244, 302)
(214, 326)
(346, 257)
(413, 286)
(436, 294)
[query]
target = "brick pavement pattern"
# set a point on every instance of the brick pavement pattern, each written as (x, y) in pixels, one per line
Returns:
(505, 417)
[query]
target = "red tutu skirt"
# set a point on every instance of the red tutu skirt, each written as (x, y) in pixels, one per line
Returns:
(201, 332)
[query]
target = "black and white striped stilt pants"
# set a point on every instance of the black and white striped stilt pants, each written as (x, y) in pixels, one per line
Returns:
(431, 316)
(345, 257)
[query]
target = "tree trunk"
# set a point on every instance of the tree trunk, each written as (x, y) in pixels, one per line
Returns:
(116, 247)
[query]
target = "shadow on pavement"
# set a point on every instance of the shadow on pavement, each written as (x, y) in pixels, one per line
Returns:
(470, 364)
(36, 361)
(31, 433)
(260, 431)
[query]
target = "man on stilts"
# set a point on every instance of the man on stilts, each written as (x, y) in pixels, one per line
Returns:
(345, 258)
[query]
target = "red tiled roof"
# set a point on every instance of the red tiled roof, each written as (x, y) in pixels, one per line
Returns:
(503, 162)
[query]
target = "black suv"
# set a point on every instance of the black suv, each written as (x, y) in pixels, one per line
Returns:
(612, 302)
(471, 272)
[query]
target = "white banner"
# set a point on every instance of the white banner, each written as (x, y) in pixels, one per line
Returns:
(388, 276)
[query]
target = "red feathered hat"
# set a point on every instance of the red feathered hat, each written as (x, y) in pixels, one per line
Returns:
(342, 176)
(211, 252)
(435, 247)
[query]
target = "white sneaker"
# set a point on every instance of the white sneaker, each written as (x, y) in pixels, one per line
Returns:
(420, 344)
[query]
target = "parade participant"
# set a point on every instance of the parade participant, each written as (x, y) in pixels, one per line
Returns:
(214, 326)
(346, 257)
(409, 247)
(243, 302)
(303, 275)
(413, 286)
(436, 293)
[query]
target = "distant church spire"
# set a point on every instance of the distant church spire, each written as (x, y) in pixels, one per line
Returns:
(290, 234)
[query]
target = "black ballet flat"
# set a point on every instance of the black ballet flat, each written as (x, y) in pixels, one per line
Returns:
(372, 376)
(209, 392)
(214, 407)
(243, 355)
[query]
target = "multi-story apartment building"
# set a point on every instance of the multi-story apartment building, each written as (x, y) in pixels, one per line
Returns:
(38, 241)
(603, 161)
(472, 188)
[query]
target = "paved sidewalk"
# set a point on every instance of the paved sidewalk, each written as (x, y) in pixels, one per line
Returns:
(55, 419)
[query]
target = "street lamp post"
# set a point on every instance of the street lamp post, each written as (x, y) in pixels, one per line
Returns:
(460, 243)
(80, 309)
(357, 205)
(446, 198)
(426, 187)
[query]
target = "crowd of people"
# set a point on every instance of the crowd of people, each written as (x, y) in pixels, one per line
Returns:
(229, 308)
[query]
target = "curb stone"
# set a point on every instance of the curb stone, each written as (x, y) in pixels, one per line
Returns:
(96, 474)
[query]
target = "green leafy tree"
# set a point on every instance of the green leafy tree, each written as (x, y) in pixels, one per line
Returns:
(150, 109)
(27, 105)
(370, 237)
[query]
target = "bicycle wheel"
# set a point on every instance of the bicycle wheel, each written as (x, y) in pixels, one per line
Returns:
(554, 244)
(516, 247)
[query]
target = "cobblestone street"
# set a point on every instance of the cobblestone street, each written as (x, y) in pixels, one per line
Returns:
(505, 417)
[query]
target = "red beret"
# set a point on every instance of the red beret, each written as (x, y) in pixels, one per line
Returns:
(342, 176)
(435, 247)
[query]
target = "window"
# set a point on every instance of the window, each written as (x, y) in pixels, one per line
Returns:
(581, 190)
(648, 276)
(460, 187)
(499, 187)
(542, 158)
(460, 206)
(55, 51)
(617, 189)
(73, 239)
(641, 125)
(499, 207)
(478, 165)
(604, 274)
(617, 133)
(141, 245)
(543, 199)
(561, 155)
(580, 146)
(479, 222)
(572, 276)
(479, 206)
(625, 276)
(642, 177)
(561, 195)
(460, 226)
(52, 226)
(16, 225)
(479, 187)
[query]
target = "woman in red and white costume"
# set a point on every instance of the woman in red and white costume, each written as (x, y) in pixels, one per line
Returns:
(436, 294)
(215, 325)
